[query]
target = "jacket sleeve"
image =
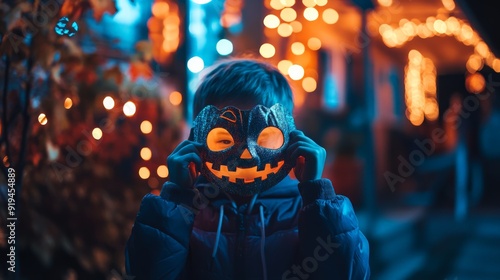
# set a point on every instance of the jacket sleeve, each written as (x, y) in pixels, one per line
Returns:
(331, 246)
(159, 243)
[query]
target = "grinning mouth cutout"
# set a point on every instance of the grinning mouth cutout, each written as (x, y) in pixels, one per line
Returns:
(248, 175)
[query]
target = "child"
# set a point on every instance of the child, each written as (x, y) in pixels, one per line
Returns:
(297, 229)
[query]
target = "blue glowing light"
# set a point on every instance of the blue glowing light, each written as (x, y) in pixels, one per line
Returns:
(224, 47)
(63, 28)
(195, 64)
(201, 2)
(129, 12)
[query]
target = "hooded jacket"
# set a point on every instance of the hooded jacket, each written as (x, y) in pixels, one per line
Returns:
(291, 231)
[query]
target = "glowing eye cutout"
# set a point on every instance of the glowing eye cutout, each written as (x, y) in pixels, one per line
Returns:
(271, 138)
(219, 139)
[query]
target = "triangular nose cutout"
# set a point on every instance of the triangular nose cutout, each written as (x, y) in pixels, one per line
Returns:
(246, 154)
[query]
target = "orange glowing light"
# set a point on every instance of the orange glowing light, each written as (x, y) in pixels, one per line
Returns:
(68, 103)
(175, 98)
(160, 9)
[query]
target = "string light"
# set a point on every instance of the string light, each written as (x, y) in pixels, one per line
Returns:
(129, 108)
(296, 26)
(146, 153)
(68, 103)
(195, 64)
(309, 84)
(146, 127)
(108, 102)
(474, 63)
(475, 83)
(309, 3)
(385, 3)
(42, 119)
(267, 50)
(288, 14)
(448, 4)
(160, 9)
(314, 43)
(287, 3)
(164, 29)
(330, 16)
(296, 72)
(311, 14)
(285, 30)
(451, 26)
(321, 2)
(271, 21)
(284, 65)
(420, 89)
(276, 4)
(162, 171)
(224, 47)
(298, 48)
(144, 173)
(97, 133)
(175, 98)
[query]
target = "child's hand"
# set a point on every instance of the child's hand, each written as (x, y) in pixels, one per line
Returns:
(184, 163)
(309, 156)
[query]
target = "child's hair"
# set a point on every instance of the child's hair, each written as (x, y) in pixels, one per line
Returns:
(243, 80)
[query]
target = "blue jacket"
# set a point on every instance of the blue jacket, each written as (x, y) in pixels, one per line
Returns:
(286, 232)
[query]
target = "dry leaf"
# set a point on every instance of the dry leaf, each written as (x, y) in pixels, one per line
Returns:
(100, 7)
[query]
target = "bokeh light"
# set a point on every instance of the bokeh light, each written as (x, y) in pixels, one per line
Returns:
(146, 153)
(448, 4)
(97, 133)
(144, 173)
(385, 3)
(298, 48)
(195, 64)
(475, 83)
(42, 119)
(276, 4)
(160, 9)
(284, 65)
(175, 98)
(68, 103)
(146, 127)
(330, 16)
(296, 26)
(267, 50)
(129, 108)
(224, 47)
(314, 43)
(287, 3)
(474, 63)
(285, 30)
(108, 102)
(271, 21)
(288, 14)
(311, 14)
(296, 72)
(162, 171)
(309, 84)
(309, 3)
(321, 2)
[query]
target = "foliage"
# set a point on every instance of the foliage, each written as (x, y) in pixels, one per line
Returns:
(80, 192)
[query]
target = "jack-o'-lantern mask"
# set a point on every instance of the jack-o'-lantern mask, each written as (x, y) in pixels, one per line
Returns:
(244, 151)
